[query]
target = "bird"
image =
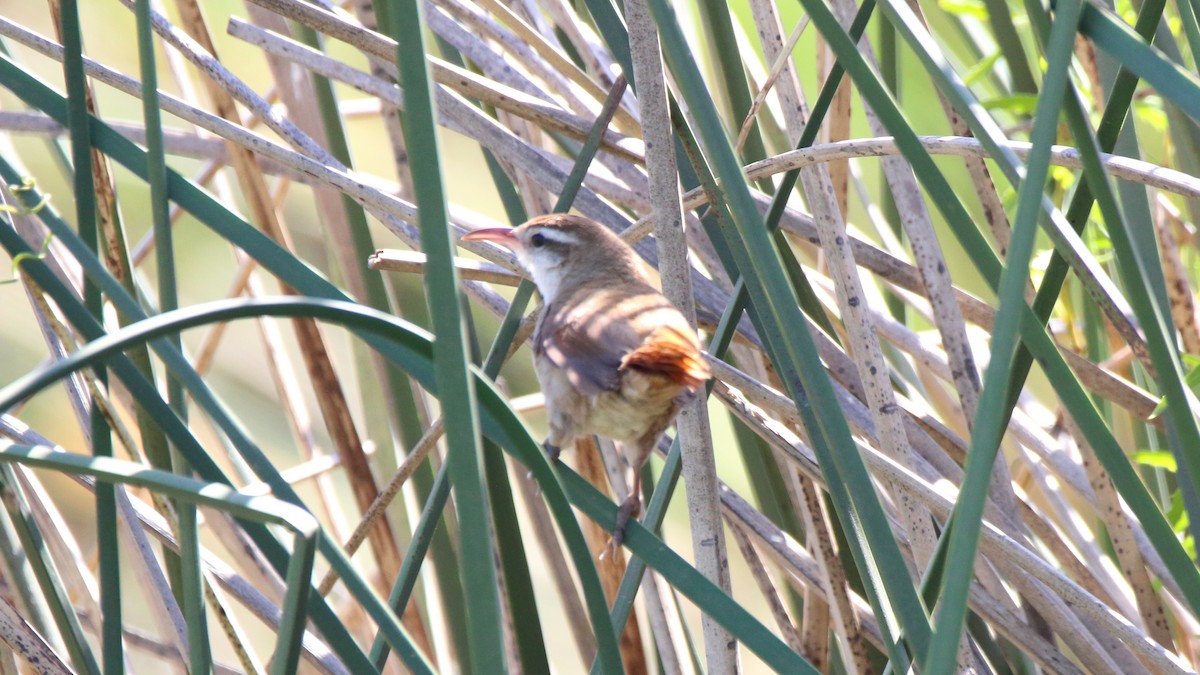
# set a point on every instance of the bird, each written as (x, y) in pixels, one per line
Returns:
(613, 356)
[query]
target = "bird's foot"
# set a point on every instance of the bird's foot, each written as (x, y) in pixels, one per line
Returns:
(611, 550)
(552, 453)
(627, 511)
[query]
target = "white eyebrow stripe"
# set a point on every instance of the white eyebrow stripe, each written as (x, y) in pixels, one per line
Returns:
(557, 236)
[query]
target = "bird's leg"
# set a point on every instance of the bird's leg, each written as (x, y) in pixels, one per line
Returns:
(627, 511)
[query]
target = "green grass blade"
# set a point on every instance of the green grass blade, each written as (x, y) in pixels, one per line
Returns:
(1137, 253)
(144, 391)
(168, 295)
(526, 619)
(464, 455)
(1032, 330)
(1115, 112)
(26, 586)
(190, 592)
(147, 396)
(711, 600)
(85, 205)
(1187, 17)
(1171, 80)
(286, 658)
(1065, 239)
(992, 417)
(153, 328)
(1141, 274)
(612, 28)
(53, 590)
(1000, 18)
(855, 538)
(395, 388)
(261, 509)
(718, 21)
(422, 537)
(107, 469)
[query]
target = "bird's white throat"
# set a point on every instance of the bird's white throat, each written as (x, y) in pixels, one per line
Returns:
(547, 271)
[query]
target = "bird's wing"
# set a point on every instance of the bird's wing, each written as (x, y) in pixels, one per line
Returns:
(575, 336)
(591, 365)
(595, 339)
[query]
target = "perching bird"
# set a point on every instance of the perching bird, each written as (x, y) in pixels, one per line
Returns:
(614, 357)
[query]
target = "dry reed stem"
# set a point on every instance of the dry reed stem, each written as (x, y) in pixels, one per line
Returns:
(1021, 567)
(1153, 616)
(468, 84)
(567, 594)
(698, 461)
(315, 652)
(762, 579)
(981, 177)
(384, 499)
(825, 195)
(25, 641)
(610, 561)
(665, 625)
(1180, 293)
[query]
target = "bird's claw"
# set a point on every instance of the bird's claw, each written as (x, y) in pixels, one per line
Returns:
(625, 512)
(611, 548)
(552, 453)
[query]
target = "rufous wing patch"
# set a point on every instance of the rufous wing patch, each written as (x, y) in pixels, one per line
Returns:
(671, 354)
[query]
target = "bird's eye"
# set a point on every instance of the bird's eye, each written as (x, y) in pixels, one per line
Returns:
(537, 239)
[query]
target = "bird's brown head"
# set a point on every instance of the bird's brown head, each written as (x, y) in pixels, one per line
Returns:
(563, 250)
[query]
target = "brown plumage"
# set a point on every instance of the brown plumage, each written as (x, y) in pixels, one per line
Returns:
(612, 354)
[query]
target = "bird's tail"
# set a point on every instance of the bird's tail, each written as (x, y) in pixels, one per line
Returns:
(671, 354)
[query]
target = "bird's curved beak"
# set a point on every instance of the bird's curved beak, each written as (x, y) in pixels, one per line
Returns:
(501, 235)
